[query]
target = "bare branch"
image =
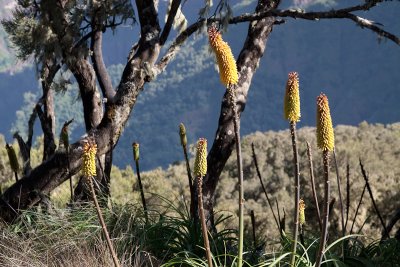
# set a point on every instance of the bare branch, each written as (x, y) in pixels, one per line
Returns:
(344, 13)
(98, 62)
(174, 48)
(171, 17)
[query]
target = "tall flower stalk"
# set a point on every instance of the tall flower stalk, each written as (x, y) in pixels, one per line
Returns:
(302, 219)
(292, 114)
(89, 171)
(193, 200)
(12, 157)
(325, 142)
(136, 156)
(314, 191)
(200, 170)
(229, 78)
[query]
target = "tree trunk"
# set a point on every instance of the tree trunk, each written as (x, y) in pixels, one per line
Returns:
(224, 141)
(107, 129)
(53, 172)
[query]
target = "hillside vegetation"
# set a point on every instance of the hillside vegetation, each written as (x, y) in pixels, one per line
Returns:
(377, 145)
(59, 235)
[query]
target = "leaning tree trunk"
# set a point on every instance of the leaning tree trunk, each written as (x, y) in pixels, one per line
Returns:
(100, 70)
(85, 75)
(224, 141)
(53, 172)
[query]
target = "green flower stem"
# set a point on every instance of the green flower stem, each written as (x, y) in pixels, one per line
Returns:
(297, 191)
(103, 225)
(347, 194)
(340, 192)
(236, 126)
(324, 233)
(340, 199)
(203, 220)
(141, 189)
(193, 199)
(314, 192)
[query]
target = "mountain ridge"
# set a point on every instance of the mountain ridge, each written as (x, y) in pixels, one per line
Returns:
(347, 63)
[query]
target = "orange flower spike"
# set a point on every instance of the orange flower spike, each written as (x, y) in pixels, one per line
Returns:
(223, 53)
(325, 135)
(292, 98)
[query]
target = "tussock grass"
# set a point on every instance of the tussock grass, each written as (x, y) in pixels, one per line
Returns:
(73, 238)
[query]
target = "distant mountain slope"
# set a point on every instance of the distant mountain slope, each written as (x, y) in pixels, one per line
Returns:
(377, 145)
(358, 73)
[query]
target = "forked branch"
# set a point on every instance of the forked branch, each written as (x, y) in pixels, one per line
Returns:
(344, 13)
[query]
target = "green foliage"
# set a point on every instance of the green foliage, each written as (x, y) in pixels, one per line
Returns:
(72, 237)
(373, 143)
(45, 30)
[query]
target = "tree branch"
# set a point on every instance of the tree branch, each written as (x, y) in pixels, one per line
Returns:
(174, 48)
(345, 13)
(98, 63)
(47, 118)
(171, 17)
(92, 104)
(248, 17)
(49, 144)
(247, 63)
(51, 173)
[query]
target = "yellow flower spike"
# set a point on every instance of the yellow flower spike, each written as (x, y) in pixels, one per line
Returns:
(223, 53)
(325, 135)
(136, 151)
(182, 134)
(89, 159)
(292, 98)
(12, 157)
(200, 162)
(302, 216)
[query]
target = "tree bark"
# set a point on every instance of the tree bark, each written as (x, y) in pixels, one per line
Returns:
(97, 58)
(92, 104)
(107, 89)
(224, 141)
(25, 153)
(46, 115)
(53, 172)
(93, 112)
